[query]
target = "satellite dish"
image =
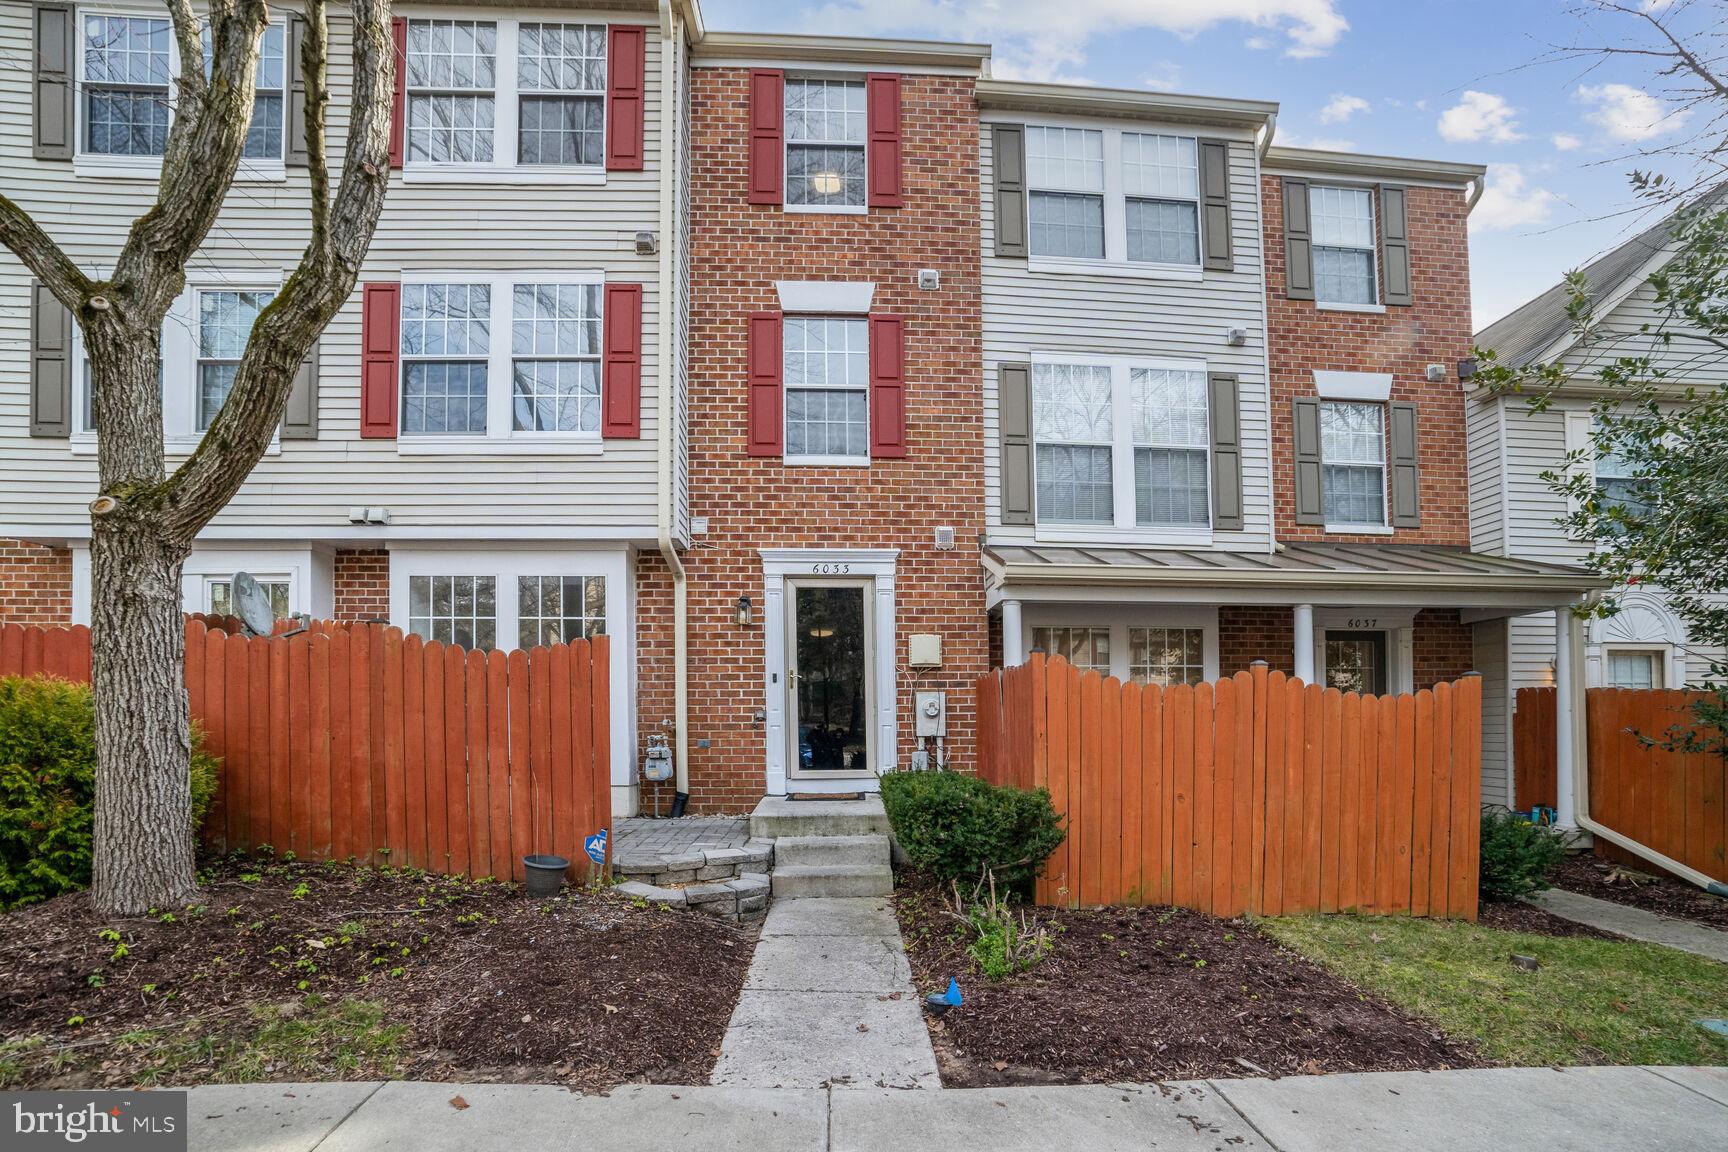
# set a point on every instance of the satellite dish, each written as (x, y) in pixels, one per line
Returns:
(252, 603)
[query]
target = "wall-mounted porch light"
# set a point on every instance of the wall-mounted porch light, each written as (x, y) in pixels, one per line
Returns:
(746, 612)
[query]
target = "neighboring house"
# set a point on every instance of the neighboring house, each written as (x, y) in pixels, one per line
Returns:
(1515, 511)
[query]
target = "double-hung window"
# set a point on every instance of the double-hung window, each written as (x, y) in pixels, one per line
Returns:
(1344, 259)
(825, 139)
(1172, 438)
(561, 77)
(1166, 655)
(452, 91)
(1618, 484)
(446, 348)
(1065, 185)
(264, 135)
(1161, 184)
(459, 610)
(1353, 463)
(1106, 195)
(555, 357)
(1074, 424)
(555, 609)
(125, 70)
(826, 365)
(225, 319)
(1088, 649)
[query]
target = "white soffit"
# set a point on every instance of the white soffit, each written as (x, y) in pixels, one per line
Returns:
(825, 296)
(1353, 385)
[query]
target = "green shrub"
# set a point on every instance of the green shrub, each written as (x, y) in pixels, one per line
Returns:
(48, 787)
(957, 827)
(1516, 855)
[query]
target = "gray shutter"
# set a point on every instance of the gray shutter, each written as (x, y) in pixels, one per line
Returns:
(50, 365)
(1014, 414)
(300, 418)
(1008, 157)
(1298, 242)
(1226, 452)
(294, 154)
(1310, 506)
(1215, 206)
(1406, 478)
(1395, 245)
(56, 122)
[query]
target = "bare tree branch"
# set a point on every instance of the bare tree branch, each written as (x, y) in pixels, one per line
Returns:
(45, 259)
(314, 59)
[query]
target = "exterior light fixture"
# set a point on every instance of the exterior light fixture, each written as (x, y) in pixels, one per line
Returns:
(746, 612)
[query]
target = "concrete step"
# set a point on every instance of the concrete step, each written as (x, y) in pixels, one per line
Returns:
(776, 816)
(865, 851)
(791, 882)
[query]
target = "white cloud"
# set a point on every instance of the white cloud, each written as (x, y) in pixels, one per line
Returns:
(1163, 76)
(1038, 41)
(1257, 43)
(1510, 202)
(1341, 107)
(1480, 116)
(1322, 143)
(1566, 142)
(1626, 113)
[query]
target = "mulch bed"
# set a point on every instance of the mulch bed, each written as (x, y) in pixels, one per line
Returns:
(1137, 994)
(1518, 916)
(588, 989)
(1590, 875)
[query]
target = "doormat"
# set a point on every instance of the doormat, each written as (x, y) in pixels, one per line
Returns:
(825, 796)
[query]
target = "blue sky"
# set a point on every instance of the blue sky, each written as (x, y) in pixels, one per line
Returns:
(1445, 79)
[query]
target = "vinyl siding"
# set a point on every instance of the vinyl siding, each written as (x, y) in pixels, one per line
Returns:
(1118, 315)
(1483, 438)
(1489, 640)
(307, 489)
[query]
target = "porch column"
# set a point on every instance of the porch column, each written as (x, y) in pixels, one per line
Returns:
(1013, 641)
(1565, 747)
(1304, 642)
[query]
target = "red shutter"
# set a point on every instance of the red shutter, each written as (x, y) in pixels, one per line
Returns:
(882, 166)
(621, 382)
(626, 68)
(765, 432)
(887, 386)
(398, 101)
(380, 315)
(767, 137)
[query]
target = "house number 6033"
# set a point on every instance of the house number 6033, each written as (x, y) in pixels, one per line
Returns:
(830, 569)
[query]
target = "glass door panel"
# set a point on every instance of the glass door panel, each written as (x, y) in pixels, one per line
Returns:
(830, 678)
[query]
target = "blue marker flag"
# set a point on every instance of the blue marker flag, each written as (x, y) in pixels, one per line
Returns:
(953, 995)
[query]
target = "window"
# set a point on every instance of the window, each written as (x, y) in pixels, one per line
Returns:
(446, 339)
(1171, 440)
(125, 80)
(1343, 223)
(827, 371)
(1353, 463)
(555, 350)
(825, 133)
(1166, 655)
(1088, 649)
(1065, 180)
(1073, 421)
(1356, 662)
(554, 609)
(1628, 669)
(225, 320)
(506, 92)
(459, 610)
(218, 603)
(264, 133)
(1161, 181)
(1617, 480)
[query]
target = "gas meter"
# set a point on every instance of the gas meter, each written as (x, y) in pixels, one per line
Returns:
(657, 761)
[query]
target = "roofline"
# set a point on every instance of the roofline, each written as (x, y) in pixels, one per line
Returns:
(1125, 102)
(1382, 167)
(1101, 574)
(852, 50)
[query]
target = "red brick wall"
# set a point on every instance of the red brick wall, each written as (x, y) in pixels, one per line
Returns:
(1250, 632)
(362, 584)
(35, 584)
(1404, 340)
(1442, 647)
(738, 251)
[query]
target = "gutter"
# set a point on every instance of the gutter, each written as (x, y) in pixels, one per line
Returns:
(671, 144)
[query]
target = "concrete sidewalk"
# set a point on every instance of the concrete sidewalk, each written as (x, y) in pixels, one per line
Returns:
(1529, 1109)
(1635, 923)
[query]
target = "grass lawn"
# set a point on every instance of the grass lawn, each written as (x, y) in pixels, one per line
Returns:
(1591, 1002)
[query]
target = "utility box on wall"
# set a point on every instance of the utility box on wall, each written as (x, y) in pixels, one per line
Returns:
(924, 650)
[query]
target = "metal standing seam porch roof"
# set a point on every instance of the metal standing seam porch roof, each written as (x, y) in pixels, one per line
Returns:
(1415, 567)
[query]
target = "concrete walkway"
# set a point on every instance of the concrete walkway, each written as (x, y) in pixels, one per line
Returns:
(828, 1000)
(1529, 1109)
(1624, 920)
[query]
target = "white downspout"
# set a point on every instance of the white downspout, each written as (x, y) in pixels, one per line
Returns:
(671, 159)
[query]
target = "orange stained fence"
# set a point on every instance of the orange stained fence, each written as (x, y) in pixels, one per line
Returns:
(357, 741)
(1256, 794)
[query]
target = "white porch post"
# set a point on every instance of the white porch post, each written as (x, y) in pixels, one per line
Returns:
(1304, 642)
(1565, 747)
(1013, 638)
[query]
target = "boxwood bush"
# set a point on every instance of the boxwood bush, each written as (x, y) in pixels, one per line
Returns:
(48, 787)
(957, 827)
(1516, 855)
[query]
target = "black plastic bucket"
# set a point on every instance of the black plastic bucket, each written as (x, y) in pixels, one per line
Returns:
(545, 874)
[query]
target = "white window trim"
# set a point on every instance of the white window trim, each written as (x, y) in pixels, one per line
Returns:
(1399, 625)
(180, 435)
(1367, 528)
(1373, 250)
(506, 113)
(1115, 261)
(1661, 657)
(786, 409)
(786, 148)
(1120, 619)
(100, 165)
(499, 438)
(1125, 527)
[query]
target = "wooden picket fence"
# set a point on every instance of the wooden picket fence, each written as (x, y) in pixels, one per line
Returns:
(1675, 802)
(1257, 794)
(357, 741)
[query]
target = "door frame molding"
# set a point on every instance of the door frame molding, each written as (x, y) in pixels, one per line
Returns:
(877, 567)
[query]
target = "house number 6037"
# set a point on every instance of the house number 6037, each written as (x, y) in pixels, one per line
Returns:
(1365, 622)
(830, 569)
